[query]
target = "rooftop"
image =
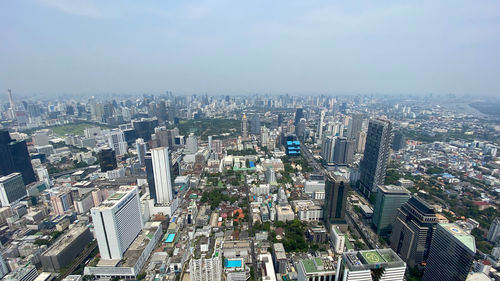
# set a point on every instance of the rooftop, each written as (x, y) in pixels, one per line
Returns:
(466, 239)
(318, 265)
(65, 240)
(393, 189)
(372, 259)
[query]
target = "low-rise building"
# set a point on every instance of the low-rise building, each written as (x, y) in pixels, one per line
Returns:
(319, 268)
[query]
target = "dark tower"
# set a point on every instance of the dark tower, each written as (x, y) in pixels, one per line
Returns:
(15, 158)
(336, 189)
(107, 159)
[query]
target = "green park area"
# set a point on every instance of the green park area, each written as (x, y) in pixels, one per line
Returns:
(209, 127)
(70, 129)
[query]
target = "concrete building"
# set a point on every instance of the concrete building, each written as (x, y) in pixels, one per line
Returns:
(116, 140)
(279, 258)
(3, 267)
(161, 171)
(141, 147)
(206, 263)
(284, 213)
(319, 268)
(373, 166)
(494, 231)
(117, 222)
(308, 210)
(12, 189)
(27, 272)
(336, 191)
(389, 199)
(191, 144)
(384, 264)
(267, 268)
(66, 248)
(337, 238)
(412, 231)
(451, 254)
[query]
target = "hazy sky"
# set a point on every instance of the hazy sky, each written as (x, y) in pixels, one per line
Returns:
(306, 46)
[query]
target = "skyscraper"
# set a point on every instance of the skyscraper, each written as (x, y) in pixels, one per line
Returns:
(116, 140)
(191, 144)
(145, 127)
(141, 151)
(389, 199)
(15, 158)
(336, 189)
(412, 231)
(300, 129)
(355, 126)
(107, 159)
(255, 124)
(299, 114)
(451, 254)
(327, 148)
(399, 141)
(320, 127)
(150, 177)
(377, 151)
(12, 189)
(494, 231)
(244, 126)
(343, 151)
(117, 222)
(161, 170)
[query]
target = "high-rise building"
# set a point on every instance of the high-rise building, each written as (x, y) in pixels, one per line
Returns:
(270, 176)
(206, 263)
(145, 127)
(117, 222)
(299, 114)
(217, 146)
(61, 202)
(210, 143)
(355, 125)
(327, 148)
(318, 268)
(321, 123)
(494, 231)
(336, 190)
(150, 177)
(399, 141)
(191, 144)
(412, 231)
(373, 166)
(3, 267)
(12, 189)
(116, 140)
(380, 264)
(451, 254)
(255, 124)
(244, 126)
(107, 159)
(15, 158)
(161, 170)
(389, 199)
(141, 151)
(361, 142)
(343, 151)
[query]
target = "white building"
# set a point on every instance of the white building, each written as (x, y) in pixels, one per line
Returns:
(362, 265)
(206, 264)
(338, 239)
(141, 151)
(117, 222)
(284, 213)
(161, 172)
(262, 189)
(191, 144)
(116, 140)
(267, 271)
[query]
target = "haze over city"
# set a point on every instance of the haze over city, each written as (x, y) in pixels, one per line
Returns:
(56, 47)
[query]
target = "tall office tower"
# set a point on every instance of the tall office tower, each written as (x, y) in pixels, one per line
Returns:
(117, 222)
(280, 119)
(12, 189)
(206, 263)
(300, 129)
(11, 100)
(377, 151)
(355, 125)
(116, 140)
(264, 136)
(299, 114)
(451, 254)
(327, 148)
(412, 231)
(389, 199)
(145, 127)
(244, 126)
(270, 176)
(255, 124)
(141, 151)
(107, 159)
(380, 264)
(494, 231)
(15, 158)
(191, 144)
(210, 143)
(343, 151)
(3, 267)
(320, 127)
(161, 171)
(399, 141)
(336, 189)
(361, 142)
(150, 177)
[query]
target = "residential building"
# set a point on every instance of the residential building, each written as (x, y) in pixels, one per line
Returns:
(206, 263)
(373, 166)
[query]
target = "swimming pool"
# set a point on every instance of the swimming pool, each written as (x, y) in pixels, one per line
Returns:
(170, 238)
(233, 263)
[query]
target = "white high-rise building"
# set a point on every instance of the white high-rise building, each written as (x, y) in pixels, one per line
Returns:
(161, 172)
(210, 143)
(116, 140)
(264, 136)
(192, 144)
(141, 151)
(117, 222)
(320, 127)
(206, 264)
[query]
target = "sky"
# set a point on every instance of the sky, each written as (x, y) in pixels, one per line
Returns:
(89, 47)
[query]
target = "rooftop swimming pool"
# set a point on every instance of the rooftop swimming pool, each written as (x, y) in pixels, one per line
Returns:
(233, 263)
(170, 238)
